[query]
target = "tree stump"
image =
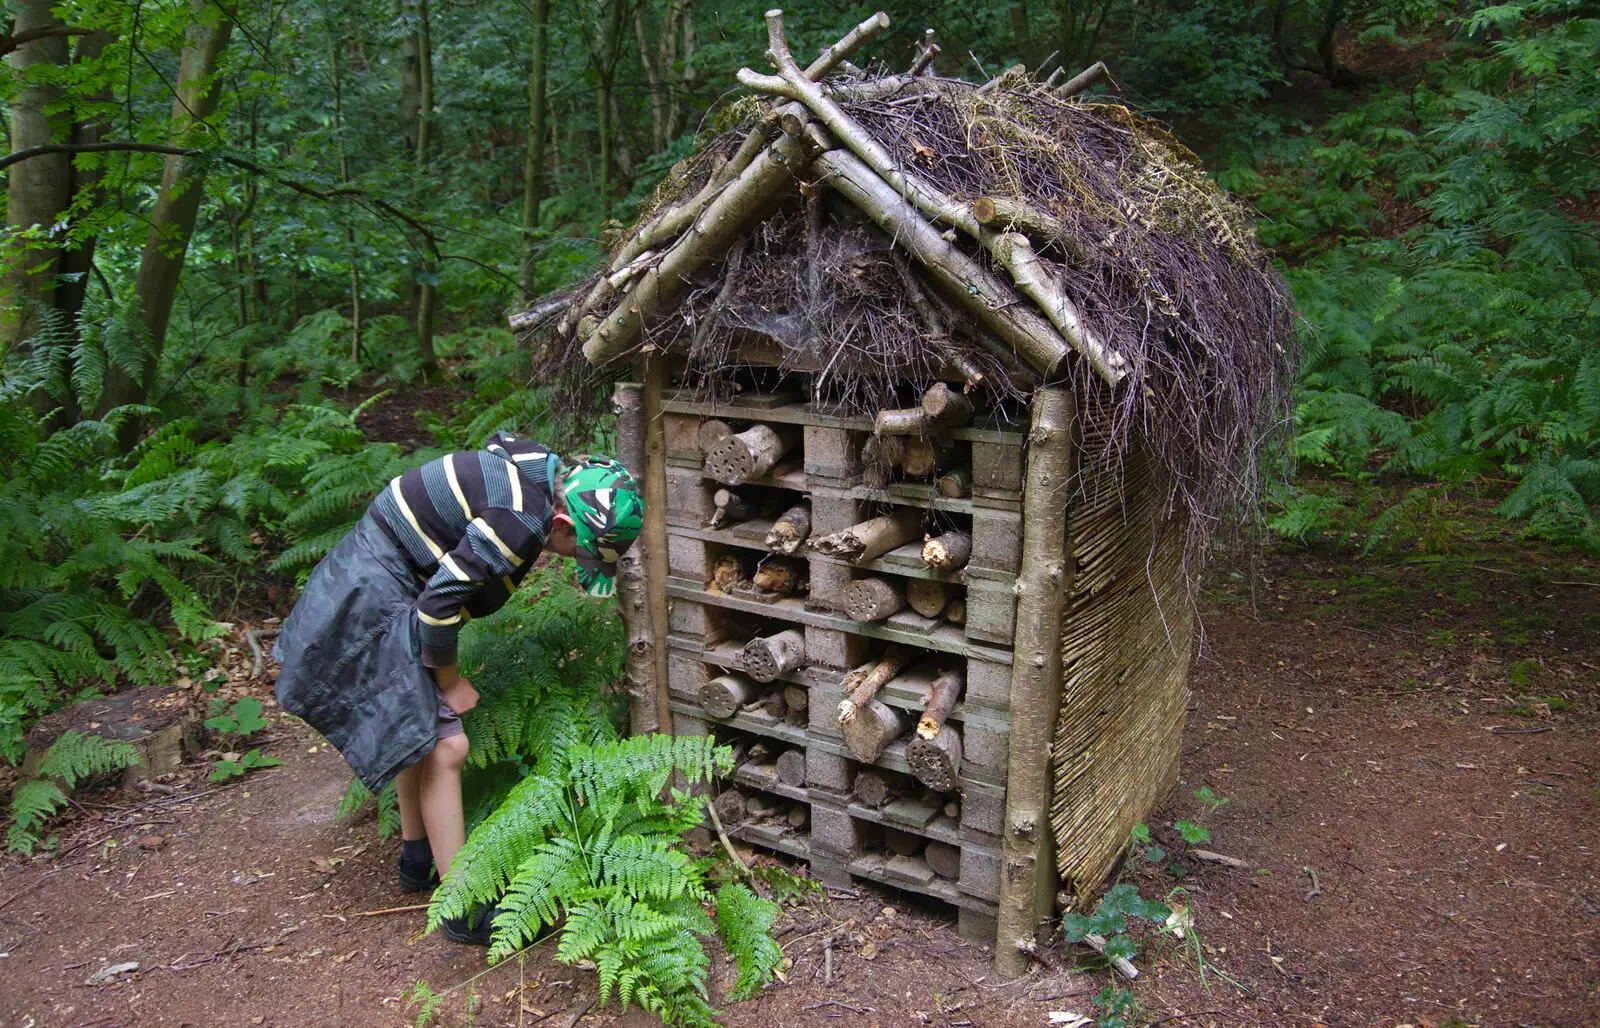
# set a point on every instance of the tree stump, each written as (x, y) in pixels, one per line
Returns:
(161, 724)
(767, 659)
(873, 599)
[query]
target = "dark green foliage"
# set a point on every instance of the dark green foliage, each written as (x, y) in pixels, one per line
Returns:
(71, 759)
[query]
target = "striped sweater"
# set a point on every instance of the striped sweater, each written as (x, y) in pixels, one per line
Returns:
(472, 524)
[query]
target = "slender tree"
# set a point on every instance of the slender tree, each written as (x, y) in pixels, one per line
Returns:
(533, 160)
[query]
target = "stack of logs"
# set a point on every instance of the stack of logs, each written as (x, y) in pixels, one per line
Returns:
(869, 725)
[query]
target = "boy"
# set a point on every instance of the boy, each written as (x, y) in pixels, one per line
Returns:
(369, 652)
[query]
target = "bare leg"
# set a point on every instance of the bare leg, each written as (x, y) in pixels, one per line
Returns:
(440, 798)
(408, 788)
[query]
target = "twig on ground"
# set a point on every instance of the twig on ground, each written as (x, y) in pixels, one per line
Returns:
(841, 1006)
(1497, 730)
(1316, 886)
(727, 843)
(1218, 858)
(389, 910)
(254, 637)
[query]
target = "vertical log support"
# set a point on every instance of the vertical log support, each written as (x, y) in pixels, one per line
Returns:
(1026, 881)
(654, 535)
(633, 593)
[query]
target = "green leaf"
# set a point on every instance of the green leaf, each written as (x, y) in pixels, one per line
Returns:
(1192, 833)
(1075, 927)
(1120, 947)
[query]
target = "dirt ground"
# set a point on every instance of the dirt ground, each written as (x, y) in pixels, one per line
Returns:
(1419, 735)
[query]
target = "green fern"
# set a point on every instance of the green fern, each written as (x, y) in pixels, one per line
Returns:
(745, 922)
(71, 759)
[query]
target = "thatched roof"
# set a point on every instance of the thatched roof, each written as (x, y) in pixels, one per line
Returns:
(884, 230)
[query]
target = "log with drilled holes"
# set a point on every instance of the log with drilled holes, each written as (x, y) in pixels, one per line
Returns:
(927, 596)
(944, 858)
(769, 657)
(749, 454)
(874, 726)
(936, 762)
(873, 599)
(725, 695)
(792, 767)
(862, 684)
(873, 789)
(791, 528)
(870, 540)
(711, 434)
(949, 551)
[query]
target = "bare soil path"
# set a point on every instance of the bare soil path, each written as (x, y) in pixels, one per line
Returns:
(1422, 737)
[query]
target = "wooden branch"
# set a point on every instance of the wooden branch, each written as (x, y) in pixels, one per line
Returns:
(874, 727)
(955, 483)
(936, 762)
(708, 236)
(832, 56)
(943, 408)
(873, 599)
(1005, 80)
(1086, 78)
(749, 454)
(927, 596)
(939, 702)
(769, 658)
(926, 52)
(726, 695)
(1029, 881)
(530, 318)
(948, 552)
(639, 663)
(869, 540)
(862, 684)
(900, 422)
(791, 528)
(780, 575)
(731, 508)
(791, 767)
(957, 358)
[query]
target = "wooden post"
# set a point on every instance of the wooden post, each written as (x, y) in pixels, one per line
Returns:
(654, 534)
(1027, 878)
(633, 593)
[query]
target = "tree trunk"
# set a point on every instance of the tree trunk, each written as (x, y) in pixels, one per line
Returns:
(533, 160)
(40, 190)
(948, 552)
(177, 206)
(1027, 883)
(428, 271)
(350, 232)
(654, 534)
(872, 539)
(873, 599)
(768, 659)
(1022, 33)
(632, 595)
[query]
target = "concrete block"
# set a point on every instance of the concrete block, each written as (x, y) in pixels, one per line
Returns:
(988, 684)
(996, 540)
(834, 832)
(983, 807)
(693, 620)
(980, 870)
(996, 466)
(682, 433)
(828, 771)
(688, 558)
(985, 743)
(831, 514)
(991, 612)
(684, 724)
(689, 497)
(685, 676)
(832, 453)
(828, 582)
(835, 871)
(830, 647)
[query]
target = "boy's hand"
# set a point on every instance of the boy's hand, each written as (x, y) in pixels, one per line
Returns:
(460, 696)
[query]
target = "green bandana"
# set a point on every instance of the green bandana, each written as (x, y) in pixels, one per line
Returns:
(607, 514)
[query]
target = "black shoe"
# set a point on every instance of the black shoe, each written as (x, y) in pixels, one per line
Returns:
(417, 875)
(474, 929)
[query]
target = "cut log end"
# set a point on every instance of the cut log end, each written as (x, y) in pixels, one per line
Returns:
(791, 768)
(944, 858)
(873, 599)
(927, 597)
(873, 789)
(725, 695)
(949, 551)
(874, 727)
(770, 657)
(936, 762)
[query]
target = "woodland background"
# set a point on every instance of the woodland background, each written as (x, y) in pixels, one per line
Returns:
(230, 221)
